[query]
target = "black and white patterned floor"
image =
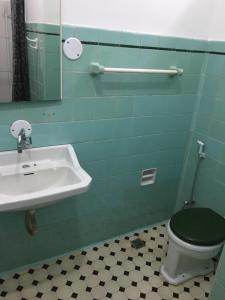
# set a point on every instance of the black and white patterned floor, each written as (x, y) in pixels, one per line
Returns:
(113, 270)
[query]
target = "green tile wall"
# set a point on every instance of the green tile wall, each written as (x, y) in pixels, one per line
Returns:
(41, 27)
(218, 290)
(118, 124)
(209, 126)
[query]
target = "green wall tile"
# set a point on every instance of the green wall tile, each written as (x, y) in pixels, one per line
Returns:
(218, 46)
(109, 36)
(149, 40)
(217, 293)
(146, 106)
(124, 106)
(202, 123)
(182, 43)
(206, 106)
(189, 84)
(211, 85)
(132, 84)
(105, 108)
(130, 38)
(216, 65)
(77, 85)
(90, 54)
(93, 151)
(147, 125)
(8, 114)
(7, 142)
(51, 43)
(67, 31)
(196, 63)
(119, 57)
(123, 128)
(82, 108)
(217, 130)
(103, 129)
(221, 88)
(84, 34)
(220, 272)
(148, 58)
(208, 126)
(49, 28)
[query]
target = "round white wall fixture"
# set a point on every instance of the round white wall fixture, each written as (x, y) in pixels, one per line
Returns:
(72, 48)
(16, 127)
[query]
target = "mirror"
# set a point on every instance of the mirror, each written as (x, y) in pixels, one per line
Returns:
(30, 43)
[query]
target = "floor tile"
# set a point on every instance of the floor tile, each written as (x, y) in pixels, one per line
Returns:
(111, 270)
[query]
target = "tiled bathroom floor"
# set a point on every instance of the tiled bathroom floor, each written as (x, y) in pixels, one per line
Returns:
(112, 270)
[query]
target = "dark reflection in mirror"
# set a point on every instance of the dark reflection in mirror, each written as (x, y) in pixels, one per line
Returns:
(30, 66)
(20, 76)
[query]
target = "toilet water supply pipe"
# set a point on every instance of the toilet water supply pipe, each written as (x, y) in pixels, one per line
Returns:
(201, 156)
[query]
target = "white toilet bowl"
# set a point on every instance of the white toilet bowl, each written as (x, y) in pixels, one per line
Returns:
(196, 235)
(185, 261)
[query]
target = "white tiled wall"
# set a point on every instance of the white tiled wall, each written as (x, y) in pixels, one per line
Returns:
(5, 51)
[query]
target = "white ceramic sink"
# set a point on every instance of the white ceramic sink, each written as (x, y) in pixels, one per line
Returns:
(40, 176)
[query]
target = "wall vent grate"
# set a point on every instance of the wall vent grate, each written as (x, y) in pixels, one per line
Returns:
(148, 176)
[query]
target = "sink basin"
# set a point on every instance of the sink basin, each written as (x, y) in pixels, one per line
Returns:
(40, 176)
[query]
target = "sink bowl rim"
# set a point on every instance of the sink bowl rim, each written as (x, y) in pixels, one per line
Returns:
(46, 196)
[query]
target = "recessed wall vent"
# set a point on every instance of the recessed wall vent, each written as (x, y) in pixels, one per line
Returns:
(148, 176)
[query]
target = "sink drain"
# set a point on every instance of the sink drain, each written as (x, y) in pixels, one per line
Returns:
(137, 244)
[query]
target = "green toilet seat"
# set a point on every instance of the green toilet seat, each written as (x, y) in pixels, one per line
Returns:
(199, 226)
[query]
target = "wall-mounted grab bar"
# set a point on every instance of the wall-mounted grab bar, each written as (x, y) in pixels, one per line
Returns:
(35, 41)
(96, 69)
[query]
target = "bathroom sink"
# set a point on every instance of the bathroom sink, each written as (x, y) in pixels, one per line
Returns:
(40, 176)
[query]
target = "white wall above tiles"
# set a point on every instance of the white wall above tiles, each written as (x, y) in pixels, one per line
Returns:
(202, 19)
(42, 11)
(186, 18)
(217, 32)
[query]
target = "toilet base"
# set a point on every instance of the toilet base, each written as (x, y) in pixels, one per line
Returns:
(185, 261)
(204, 269)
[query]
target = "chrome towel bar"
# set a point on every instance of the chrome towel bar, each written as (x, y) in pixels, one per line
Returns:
(96, 69)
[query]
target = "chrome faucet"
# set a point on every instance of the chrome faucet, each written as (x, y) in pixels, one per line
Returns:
(23, 142)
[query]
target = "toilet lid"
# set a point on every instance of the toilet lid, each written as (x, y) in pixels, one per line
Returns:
(198, 226)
